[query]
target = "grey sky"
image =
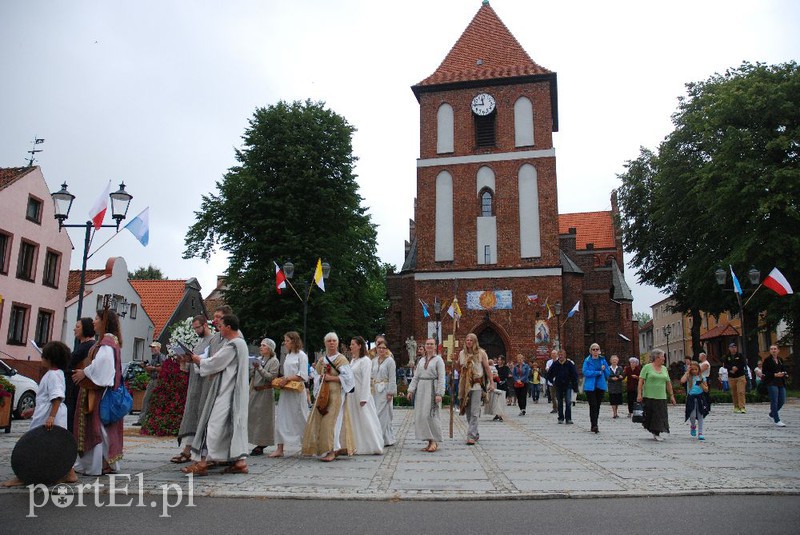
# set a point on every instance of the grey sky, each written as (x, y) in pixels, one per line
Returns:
(158, 93)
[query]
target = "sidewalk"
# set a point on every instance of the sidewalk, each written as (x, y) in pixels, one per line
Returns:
(525, 457)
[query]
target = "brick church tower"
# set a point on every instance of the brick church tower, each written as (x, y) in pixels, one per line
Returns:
(486, 222)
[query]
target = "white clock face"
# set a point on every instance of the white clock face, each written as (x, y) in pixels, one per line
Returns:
(483, 104)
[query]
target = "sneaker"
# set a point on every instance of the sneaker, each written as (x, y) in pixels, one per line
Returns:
(553, 411)
(569, 422)
(700, 437)
(693, 432)
(780, 424)
(521, 413)
(561, 421)
(743, 411)
(658, 438)
(736, 410)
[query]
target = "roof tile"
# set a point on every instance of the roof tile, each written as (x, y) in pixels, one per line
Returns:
(160, 298)
(596, 228)
(9, 175)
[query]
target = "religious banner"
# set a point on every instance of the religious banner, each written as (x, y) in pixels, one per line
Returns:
(542, 332)
(489, 300)
(432, 331)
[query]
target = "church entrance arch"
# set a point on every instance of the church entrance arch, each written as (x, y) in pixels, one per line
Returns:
(492, 340)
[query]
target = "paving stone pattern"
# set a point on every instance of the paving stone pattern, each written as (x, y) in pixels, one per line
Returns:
(524, 457)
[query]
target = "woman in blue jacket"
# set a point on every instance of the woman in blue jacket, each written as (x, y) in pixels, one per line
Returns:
(595, 373)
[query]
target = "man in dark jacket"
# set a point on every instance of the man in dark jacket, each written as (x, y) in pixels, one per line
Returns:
(564, 376)
(737, 378)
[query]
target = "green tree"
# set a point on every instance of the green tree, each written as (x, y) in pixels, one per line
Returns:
(723, 189)
(293, 196)
(641, 318)
(147, 273)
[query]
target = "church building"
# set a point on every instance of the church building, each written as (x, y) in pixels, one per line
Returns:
(486, 226)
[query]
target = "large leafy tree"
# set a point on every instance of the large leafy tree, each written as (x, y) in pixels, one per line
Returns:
(293, 196)
(147, 273)
(723, 188)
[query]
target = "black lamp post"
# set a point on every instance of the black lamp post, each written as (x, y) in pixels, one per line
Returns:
(62, 201)
(754, 276)
(437, 311)
(557, 308)
(667, 332)
(288, 270)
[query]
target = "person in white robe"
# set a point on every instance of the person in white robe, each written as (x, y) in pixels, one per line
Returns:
(360, 405)
(222, 427)
(427, 389)
(384, 388)
(292, 412)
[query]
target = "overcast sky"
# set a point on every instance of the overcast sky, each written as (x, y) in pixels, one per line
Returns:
(158, 93)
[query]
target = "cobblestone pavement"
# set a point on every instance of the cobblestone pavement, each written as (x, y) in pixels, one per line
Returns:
(526, 457)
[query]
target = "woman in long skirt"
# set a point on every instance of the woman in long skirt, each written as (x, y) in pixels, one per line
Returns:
(654, 387)
(428, 388)
(360, 405)
(261, 406)
(292, 413)
(384, 388)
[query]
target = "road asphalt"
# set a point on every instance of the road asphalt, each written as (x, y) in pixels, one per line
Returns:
(523, 457)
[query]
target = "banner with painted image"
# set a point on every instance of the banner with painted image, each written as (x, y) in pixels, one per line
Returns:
(489, 300)
(542, 332)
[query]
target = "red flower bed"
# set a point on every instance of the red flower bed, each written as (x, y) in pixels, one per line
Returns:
(166, 404)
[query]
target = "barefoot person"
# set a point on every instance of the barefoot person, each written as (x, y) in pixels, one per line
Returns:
(474, 368)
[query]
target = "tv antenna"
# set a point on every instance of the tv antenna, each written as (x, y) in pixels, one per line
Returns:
(34, 150)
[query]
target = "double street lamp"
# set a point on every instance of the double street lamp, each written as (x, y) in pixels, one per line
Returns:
(288, 270)
(754, 276)
(557, 310)
(62, 201)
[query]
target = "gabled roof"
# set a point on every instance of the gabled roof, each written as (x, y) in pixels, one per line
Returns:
(485, 51)
(9, 175)
(720, 331)
(622, 292)
(567, 265)
(160, 298)
(410, 263)
(74, 282)
(592, 227)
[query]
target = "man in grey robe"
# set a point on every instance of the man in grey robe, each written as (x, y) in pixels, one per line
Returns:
(222, 426)
(197, 389)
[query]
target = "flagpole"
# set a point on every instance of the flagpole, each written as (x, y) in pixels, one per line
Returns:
(292, 287)
(104, 243)
(754, 293)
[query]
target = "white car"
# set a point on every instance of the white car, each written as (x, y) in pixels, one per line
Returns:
(25, 389)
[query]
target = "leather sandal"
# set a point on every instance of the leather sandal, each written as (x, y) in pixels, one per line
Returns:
(195, 469)
(182, 458)
(236, 469)
(432, 448)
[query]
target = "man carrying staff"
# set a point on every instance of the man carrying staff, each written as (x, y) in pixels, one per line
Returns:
(474, 367)
(222, 427)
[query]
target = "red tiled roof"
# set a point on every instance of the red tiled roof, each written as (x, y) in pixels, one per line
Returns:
(9, 175)
(720, 331)
(74, 282)
(160, 298)
(485, 51)
(592, 227)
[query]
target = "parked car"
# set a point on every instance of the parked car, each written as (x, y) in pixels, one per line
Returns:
(25, 389)
(132, 369)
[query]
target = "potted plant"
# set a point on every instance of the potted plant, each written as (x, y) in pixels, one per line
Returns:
(137, 387)
(6, 403)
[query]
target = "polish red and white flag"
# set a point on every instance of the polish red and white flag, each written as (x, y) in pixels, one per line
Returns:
(280, 278)
(98, 211)
(776, 282)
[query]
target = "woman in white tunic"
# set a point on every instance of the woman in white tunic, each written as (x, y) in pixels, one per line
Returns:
(428, 388)
(384, 388)
(292, 413)
(360, 405)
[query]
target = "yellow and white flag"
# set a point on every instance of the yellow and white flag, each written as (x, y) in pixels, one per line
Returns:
(319, 280)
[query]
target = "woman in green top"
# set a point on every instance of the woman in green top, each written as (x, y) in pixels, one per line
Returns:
(654, 387)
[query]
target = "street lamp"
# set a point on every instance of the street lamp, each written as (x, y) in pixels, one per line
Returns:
(667, 332)
(557, 308)
(754, 276)
(62, 202)
(437, 310)
(288, 270)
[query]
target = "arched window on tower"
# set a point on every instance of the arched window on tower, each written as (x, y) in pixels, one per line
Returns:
(523, 122)
(444, 129)
(486, 197)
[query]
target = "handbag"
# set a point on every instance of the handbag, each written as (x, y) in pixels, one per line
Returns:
(638, 413)
(518, 384)
(115, 404)
(295, 386)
